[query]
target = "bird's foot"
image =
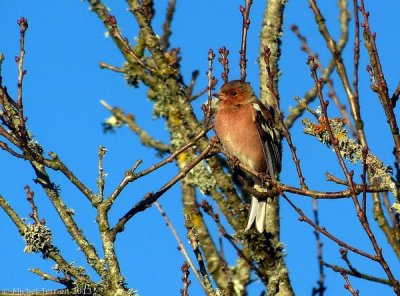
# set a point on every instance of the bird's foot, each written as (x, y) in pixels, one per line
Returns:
(233, 162)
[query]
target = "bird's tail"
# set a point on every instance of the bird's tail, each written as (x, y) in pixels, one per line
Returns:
(258, 213)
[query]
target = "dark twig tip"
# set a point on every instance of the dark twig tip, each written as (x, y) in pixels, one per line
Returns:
(211, 54)
(23, 23)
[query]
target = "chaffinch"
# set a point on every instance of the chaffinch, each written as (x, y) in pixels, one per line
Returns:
(246, 128)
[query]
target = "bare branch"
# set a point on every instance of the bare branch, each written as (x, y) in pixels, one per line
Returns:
(275, 96)
(104, 65)
(150, 198)
(129, 120)
(395, 96)
(358, 274)
(320, 289)
(194, 242)
(23, 24)
(56, 164)
(5, 147)
(181, 247)
(164, 39)
(207, 109)
(243, 49)
(189, 89)
(185, 279)
(379, 84)
(356, 47)
(101, 175)
(29, 196)
(348, 285)
(225, 63)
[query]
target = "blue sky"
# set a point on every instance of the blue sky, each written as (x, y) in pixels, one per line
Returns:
(64, 44)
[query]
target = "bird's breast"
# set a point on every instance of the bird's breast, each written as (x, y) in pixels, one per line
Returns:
(238, 133)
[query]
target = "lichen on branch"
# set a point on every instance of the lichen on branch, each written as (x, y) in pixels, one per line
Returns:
(352, 151)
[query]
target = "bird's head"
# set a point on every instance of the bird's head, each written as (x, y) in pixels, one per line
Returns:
(235, 92)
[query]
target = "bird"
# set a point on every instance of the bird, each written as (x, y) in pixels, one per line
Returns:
(247, 130)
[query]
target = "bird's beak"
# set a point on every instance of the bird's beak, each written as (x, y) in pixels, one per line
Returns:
(220, 96)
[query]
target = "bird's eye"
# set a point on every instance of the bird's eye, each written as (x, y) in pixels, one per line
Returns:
(234, 93)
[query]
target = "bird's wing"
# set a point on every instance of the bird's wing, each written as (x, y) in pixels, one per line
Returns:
(269, 136)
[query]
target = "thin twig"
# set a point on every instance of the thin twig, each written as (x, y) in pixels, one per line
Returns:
(1, 68)
(395, 96)
(151, 197)
(104, 65)
(129, 120)
(320, 290)
(189, 89)
(304, 218)
(207, 109)
(111, 23)
(164, 39)
(45, 276)
(275, 95)
(181, 246)
(101, 175)
(358, 274)
(202, 92)
(306, 107)
(356, 48)
(348, 285)
(225, 63)
(379, 84)
(7, 148)
(330, 177)
(185, 279)
(29, 197)
(342, 108)
(297, 111)
(56, 164)
(394, 218)
(340, 66)
(131, 176)
(23, 23)
(364, 181)
(193, 237)
(332, 94)
(243, 49)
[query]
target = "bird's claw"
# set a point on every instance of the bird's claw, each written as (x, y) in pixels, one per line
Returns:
(233, 161)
